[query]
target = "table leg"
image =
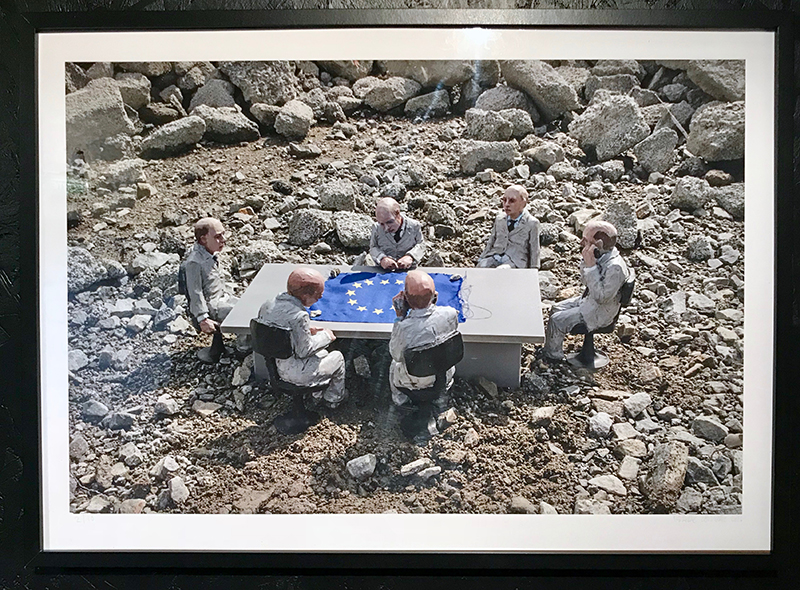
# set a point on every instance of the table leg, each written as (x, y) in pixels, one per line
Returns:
(497, 362)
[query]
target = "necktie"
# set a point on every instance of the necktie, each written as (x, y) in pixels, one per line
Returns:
(397, 235)
(511, 224)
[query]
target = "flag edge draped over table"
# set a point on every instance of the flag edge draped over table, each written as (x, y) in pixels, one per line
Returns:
(449, 295)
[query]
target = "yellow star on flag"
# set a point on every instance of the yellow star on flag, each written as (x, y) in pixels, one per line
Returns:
(386, 282)
(351, 292)
(368, 281)
(357, 285)
(398, 281)
(361, 308)
(352, 302)
(378, 311)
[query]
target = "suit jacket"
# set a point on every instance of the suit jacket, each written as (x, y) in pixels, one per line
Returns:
(205, 289)
(382, 243)
(521, 245)
(600, 303)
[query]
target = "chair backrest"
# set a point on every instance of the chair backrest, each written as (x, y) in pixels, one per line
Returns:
(182, 280)
(269, 341)
(426, 362)
(626, 291)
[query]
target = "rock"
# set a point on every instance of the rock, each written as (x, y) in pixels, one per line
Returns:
(99, 505)
(78, 447)
(173, 138)
(610, 484)
(165, 405)
(717, 132)
(93, 410)
(446, 419)
(545, 508)
(476, 156)
(696, 472)
(214, 94)
(122, 173)
(546, 154)
(338, 195)
(520, 505)
(304, 150)
(241, 375)
(138, 323)
(205, 408)
(730, 198)
(471, 438)
(637, 403)
(701, 303)
(429, 106)
(630, 447)
(709, 428)
(362, 467)
(268, 82)
(623, 430)
(521, 123)
(94, 113)
(689, 194)
(487, 126)
(501, 98)
(428, 473)
(351, 69)
(130, 455)
(616, 84)
(432, 73)
(83, 269)
(164, 468)
(629, 468)
(134, 88)
(148, 68)
(226, 124)
(257, 253)
(133, 506)
(163, 316)
(666, 474)
(699, 248)
(488, 387)
(178, 492)
(543, 416)
(75, 77)
(600, 425)
(392, 92)
(265, 113)
(308, 226)
(119, 420)
(294, 120)
(609, 127)
(623, 217)
(151, 260)
(721, 466)
(721, 78)
(590, 506)
(76, 360)
(551, 94)
(690, 501)
(613, 67)
(656, 152)
(353, 229)
(415, 466)
(363, 85)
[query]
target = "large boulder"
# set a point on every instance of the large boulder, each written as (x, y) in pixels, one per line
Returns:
(134, 88)
(428, 106)
(352, 69)
(614, 67)
(95, 113)
(487, 126)
(270, 82)
(501, 98)
(173, 138)
(83, 269)
(75, 77)
(390, 93)
(338, 195)
(476, 156)
(690, 193)
(147, 68)
(257, 253)
(610, 127)
(294, 119)
(618, 84)
(215, 93)
(666, 474)
(353, 229)
(308, 226)
(552, 94)
(722, 79)
(656, 152)
(717, 132)
(121, 173)
(226, 124)
(432, 73)
(623, 217)
(730, 198)
(521, 122)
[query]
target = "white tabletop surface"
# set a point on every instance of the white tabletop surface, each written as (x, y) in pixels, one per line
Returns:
(502, 305)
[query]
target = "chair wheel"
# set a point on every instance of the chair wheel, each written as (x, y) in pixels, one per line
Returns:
(599, 361)
(294, 422)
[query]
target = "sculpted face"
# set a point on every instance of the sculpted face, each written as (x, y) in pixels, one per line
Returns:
(387, 214)
(214, 240)
(514, 201)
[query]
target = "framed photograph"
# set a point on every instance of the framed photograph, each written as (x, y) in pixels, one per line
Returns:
(288, 129)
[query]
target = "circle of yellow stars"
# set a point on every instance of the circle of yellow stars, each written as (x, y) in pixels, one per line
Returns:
(351, 293)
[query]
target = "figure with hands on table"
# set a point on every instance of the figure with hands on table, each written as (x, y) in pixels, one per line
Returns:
(603, 272)
(396, 242)
(200, 280)
(310, 364)
(419, 323)
(514, 241)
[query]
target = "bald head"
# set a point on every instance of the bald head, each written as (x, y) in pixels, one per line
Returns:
(603, 231)
(306, 284)
(419, 289)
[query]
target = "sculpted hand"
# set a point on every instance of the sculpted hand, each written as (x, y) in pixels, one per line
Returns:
(588, 254)
(330, 333)
(314, 330)
(388, 263)
(405, 262)
(208, 326)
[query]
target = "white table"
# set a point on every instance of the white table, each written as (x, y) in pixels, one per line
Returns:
(502, 306)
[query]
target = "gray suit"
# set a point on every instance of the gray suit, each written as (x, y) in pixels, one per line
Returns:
(518, 248)
(205, 290)
(382, 243)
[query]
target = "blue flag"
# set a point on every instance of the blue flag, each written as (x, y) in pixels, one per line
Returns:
(367, 296)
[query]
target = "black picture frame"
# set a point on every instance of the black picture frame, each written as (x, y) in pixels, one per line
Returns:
(32, 24)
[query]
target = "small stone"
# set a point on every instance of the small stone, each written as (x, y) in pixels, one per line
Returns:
(609, 483)
(542, 416)
(134, 506)
(520, 505)
(361, 367)
(696, 472)
(205, 408)
(471, 438)
(363, 466)
(446, 419)
(488, 387)
(98, 505)
(623, 430)
(709, 428)
(631, 447)
(637, 403)
(590, 506)
(165, 405)
(667, 472)
(734, 441)
(545, 508)
(119, 421)
(178, 491)
(629, 468)
(165, 467)
(429, 472)
(131, 455)
(415, 466)
(93, 410)
(600, 425)
(690, 501)
(78, 447)
(77, 360)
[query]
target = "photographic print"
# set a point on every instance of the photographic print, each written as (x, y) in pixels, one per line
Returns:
(627, 174)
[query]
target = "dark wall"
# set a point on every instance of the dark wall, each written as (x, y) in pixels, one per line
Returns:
(18, 446)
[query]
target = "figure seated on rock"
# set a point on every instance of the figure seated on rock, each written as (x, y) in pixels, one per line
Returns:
(310, 363)
(396, 242)
(604, 273)
(514, 241)
(200, 280)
